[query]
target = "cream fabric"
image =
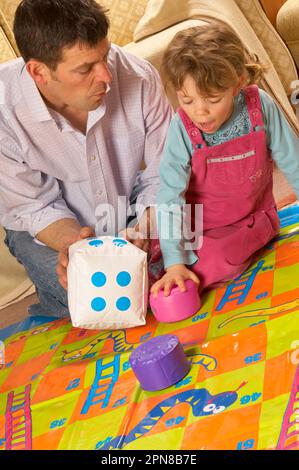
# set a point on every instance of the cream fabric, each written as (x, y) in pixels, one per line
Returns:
(14, 283)
(152, 48)
(161, 14)
(272, 42)
(288, 26)
(6, 51)
(124, 16)
(7, 12)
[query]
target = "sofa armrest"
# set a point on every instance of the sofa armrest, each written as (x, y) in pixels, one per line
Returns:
(288, 27)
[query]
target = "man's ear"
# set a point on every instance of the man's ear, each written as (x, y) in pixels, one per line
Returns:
(38, 71)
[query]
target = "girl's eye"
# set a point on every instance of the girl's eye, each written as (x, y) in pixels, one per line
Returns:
(187, 102)
(214, 100)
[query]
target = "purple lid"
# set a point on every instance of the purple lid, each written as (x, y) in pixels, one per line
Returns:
(159, 362)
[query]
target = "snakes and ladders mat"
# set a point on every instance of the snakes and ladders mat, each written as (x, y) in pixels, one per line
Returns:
(69, 388)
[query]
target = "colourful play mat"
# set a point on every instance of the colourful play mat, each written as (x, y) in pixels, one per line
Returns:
(68, 388)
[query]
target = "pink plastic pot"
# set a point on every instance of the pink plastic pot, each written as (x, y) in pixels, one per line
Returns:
(178, 305)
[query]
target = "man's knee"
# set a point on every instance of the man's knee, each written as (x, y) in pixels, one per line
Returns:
(39, 260)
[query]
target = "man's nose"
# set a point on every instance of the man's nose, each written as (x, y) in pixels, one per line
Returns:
(102, 73)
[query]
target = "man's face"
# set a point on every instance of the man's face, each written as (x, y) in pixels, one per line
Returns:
(81, 78)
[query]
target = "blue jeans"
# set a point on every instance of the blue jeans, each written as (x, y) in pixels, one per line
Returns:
(40, 264)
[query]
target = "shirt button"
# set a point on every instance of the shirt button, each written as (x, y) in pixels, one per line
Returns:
(99, 193)
(93, 158)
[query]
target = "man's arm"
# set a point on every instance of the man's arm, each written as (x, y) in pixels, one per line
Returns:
(59, 234)
(30, 201)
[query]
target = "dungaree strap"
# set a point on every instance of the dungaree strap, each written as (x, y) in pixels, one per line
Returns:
(254, 106)
(192, 131)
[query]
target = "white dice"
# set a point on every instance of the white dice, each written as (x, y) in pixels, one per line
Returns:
(107, 284)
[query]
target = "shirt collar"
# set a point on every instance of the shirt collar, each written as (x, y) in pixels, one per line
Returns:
(34, 101)
(95, 115)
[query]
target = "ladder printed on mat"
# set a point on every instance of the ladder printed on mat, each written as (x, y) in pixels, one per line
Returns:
(239, 289)
(18, 420)
(101, 390)
(289, 436)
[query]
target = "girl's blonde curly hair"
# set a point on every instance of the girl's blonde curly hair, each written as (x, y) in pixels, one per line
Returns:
(213, 55)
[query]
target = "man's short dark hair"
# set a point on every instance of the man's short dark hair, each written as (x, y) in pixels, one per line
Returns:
(43, 28)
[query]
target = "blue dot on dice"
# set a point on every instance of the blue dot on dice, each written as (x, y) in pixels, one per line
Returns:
(98, 304)
(123, 303)
(98, 279)
(119, 242)
(96, 243)
(123, 279)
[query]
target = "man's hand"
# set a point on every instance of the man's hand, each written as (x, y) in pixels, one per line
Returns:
(63, 256)
(176, 274)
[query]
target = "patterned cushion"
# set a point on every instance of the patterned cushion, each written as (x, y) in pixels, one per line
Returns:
(288, 26)
(123, 14)
(272, 42)
(7, 12)
(6, 51)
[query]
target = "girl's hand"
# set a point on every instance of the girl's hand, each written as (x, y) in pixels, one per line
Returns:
(176, 274)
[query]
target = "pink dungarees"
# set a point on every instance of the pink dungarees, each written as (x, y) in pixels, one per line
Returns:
(233, 181)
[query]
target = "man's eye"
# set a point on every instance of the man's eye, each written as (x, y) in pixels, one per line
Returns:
(84, 72)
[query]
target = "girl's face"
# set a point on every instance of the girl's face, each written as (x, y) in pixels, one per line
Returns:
(207, 113)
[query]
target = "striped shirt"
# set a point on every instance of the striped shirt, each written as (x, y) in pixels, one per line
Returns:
(50, 170)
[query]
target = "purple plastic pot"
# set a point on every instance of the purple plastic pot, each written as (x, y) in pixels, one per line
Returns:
(159, 362)
(177, 305)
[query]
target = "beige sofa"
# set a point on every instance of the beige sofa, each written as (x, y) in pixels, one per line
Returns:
(145, 28)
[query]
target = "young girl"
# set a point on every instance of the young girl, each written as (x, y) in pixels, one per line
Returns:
(218, 153)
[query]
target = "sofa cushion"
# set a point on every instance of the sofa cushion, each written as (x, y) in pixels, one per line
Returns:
(272, 42)
(161, 14)
(288, 26)
(6, 50)
(123, 15)
(7, 12)
(152, 47)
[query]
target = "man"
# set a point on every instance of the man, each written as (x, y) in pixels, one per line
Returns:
(78, 118)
